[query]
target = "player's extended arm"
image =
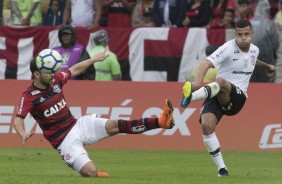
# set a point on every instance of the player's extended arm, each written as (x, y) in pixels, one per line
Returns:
(19, 127)
(202, 71)
(80, 67)
(270, 69)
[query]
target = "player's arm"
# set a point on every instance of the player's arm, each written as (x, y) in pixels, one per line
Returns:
(270, 69)
(202, 71)
(19, 127)
(80, 67)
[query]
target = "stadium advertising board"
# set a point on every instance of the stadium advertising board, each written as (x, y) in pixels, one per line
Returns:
(258, 127)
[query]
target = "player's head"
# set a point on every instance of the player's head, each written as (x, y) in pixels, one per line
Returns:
(243, 34)
(38, 76)
(101, 37)
(67, 36)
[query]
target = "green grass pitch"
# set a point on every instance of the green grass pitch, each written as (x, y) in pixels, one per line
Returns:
(40, 166)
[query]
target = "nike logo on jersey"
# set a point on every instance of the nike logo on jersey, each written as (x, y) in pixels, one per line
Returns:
(234, 59)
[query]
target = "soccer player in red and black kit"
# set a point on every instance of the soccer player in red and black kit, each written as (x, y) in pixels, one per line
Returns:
(44, 99)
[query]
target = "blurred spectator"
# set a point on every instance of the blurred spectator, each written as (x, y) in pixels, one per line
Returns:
(84, 13)
(73, 52)
(244, 10)
(218, 10)
(25, 13)
(142, 14)
(1, 12)
(266, 38)
(169, 13)
(197, 14)
(227, 21)
(119, 12)
(278, 17)
(109, 69)
(104, 14)
(54, 15)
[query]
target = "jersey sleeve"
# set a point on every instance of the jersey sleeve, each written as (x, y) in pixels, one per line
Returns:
(24, 107)
(218, 56)
(63, 76)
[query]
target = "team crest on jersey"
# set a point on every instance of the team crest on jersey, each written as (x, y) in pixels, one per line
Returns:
(65, 58)
(35, 92)
(56, 89)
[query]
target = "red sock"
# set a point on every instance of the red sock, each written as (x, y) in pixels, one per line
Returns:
(137, 126)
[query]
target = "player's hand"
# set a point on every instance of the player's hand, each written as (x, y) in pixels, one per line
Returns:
(26, 135)
(270, 71)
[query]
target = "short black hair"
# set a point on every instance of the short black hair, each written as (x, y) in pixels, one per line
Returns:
(33, 66)
(243, 23)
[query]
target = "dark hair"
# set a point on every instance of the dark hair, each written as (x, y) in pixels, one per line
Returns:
(33, 66)
(231, 10)
(240, 2)
(67, 30)
(243, 23)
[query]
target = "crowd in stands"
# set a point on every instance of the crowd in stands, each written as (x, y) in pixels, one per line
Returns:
(212, 14)
(132, 13)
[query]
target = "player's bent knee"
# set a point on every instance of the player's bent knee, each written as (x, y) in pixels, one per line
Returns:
(88, 170)
(112, 127)
(85, 166)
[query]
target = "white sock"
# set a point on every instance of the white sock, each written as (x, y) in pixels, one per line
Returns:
(204, 93)
(212, 144)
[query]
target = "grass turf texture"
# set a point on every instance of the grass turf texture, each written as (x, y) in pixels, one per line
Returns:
(20, 166)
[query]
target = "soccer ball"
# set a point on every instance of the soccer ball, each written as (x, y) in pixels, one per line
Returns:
(49, 61)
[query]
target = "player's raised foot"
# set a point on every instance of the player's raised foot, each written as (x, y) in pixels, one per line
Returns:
(102, 174)
(166, 118)
(187, 95)
(222, 172)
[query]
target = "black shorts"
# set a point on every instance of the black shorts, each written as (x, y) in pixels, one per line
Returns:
(237, 101)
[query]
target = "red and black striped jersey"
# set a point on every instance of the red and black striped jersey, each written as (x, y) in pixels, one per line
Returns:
(49, 108)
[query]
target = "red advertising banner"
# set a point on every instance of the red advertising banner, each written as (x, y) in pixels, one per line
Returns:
(258, 127)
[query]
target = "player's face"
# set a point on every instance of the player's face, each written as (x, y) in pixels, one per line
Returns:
(243, 37)
(46, 79)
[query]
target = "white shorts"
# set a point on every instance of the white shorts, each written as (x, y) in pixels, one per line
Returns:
(88, 130)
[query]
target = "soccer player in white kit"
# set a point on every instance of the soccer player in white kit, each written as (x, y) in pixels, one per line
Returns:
(236, 59)
(45, 100)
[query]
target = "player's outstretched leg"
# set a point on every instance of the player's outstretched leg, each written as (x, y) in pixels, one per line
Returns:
(166, 118)
(187, 95)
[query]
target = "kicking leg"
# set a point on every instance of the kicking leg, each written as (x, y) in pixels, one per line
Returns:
(208, 91)
(165, 120)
